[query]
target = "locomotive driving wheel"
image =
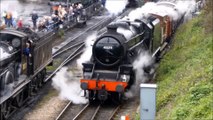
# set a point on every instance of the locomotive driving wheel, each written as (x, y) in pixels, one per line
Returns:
(91, 96)
(19, 99)
(117, 97)
(44, 72)
(39, 80)
(35, 83)
(6, 109)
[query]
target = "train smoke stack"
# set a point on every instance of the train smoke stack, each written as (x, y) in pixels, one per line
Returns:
(115, 6)
(68, 86)
(144, 68)
(86, 56)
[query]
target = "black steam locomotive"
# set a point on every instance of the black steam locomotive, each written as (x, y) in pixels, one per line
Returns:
(23, 61)
(110, 71)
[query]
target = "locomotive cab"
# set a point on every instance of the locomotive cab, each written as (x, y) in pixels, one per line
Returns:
(12, 61)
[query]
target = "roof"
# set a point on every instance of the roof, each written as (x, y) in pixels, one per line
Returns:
(13, 32)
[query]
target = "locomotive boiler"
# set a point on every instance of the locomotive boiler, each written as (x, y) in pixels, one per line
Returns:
(110, 73)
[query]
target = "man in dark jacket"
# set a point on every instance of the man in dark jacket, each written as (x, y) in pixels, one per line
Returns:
(34, 19)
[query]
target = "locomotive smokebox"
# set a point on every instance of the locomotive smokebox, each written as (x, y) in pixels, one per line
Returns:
(108, 50)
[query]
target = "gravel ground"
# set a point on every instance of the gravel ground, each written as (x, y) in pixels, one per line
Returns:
(47, 110)
(129, 108)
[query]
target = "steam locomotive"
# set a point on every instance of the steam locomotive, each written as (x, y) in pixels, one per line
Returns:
(21, 74)
(110, 73)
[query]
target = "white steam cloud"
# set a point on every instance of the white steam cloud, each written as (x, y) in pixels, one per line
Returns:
(160, 8)
(3, 54)
(67, 81)
(68, 86)
(144, 61)
(86, 56)
(144, 68)
(115, 6)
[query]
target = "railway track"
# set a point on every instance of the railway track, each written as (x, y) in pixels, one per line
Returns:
(72, 56)
(89, 112)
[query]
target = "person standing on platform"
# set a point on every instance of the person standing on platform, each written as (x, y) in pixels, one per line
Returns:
(20, 24)
(34, 19)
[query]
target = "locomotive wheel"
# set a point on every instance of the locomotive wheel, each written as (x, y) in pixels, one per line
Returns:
(117, 97)
(91, 95)
(44, 72)
(39, 80)
(35, 84)
(19, 99)
(6, 109)
(31, 89)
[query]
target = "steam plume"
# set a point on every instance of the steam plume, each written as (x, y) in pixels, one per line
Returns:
(115, 6)
(156, 8)
(69, 86)
(144, 70)
(86, 56)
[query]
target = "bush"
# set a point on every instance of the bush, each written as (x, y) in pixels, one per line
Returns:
(184, 76)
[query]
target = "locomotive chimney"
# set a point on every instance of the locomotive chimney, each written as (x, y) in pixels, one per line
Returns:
(112, 28)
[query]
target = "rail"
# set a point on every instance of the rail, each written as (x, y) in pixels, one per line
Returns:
(84, 110)
(67, 60)
(62, 112)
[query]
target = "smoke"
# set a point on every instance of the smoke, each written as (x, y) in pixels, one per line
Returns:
(128, 33)
(187, 7)
(115, 6)
(144, 67)
(3, 54)
(86, 56)
(67, 81)
(68, 86)
(181, 7)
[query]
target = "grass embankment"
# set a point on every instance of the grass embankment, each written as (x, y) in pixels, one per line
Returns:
(184, 77)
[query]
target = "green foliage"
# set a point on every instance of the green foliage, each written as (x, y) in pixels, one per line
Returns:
(184, 77)
(137, 117)
(198, 92)
(61, 33)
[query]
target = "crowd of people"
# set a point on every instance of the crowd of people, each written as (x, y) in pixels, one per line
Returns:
(60, 14)
(10, 21)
